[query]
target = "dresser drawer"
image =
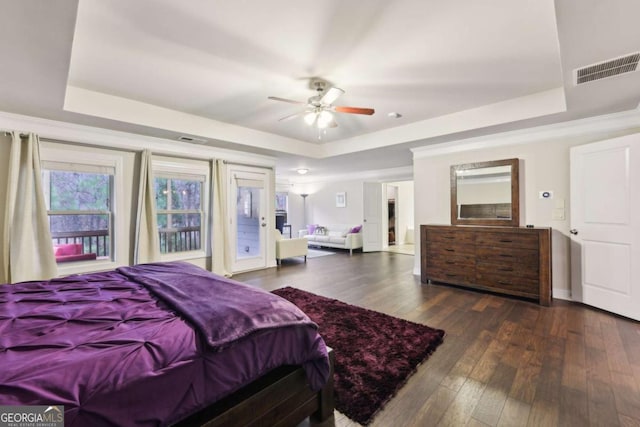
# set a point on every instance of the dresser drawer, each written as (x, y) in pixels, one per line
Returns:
(459, 276)
(507, 240)
(449, 235)
(511, 283)
(438, 257)
(450, 249)
(507, 270)
(517, 257)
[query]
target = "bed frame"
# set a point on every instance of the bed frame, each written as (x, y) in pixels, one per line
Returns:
(280, 398)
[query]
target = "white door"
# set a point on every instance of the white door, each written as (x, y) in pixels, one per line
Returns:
(249, 219)
(372, 225)
(605, 226)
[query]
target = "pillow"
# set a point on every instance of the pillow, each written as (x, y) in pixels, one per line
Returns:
(67, 249)
(356, 229)
(320, 230)
(311, 228)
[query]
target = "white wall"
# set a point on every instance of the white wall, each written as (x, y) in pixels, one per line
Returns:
(544, 166)
(321, 203)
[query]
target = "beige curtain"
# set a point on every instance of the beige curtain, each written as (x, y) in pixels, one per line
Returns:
(27, 248)
(147, 244)
(221, 260)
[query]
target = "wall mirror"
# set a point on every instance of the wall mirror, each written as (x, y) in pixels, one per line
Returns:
(485, 193)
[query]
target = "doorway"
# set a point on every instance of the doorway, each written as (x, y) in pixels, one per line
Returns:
(399, 207)
(392, 194)
(248, 203)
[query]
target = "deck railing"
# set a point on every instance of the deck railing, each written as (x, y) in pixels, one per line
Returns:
(94, 241)
(177, 239)
(180, 239)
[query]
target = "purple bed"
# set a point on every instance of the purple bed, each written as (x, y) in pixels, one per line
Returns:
(148, 345)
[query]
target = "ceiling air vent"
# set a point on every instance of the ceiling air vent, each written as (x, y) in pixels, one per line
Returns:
(613, 67)
(191, 139)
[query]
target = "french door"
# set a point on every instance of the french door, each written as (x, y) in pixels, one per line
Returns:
(249, 219)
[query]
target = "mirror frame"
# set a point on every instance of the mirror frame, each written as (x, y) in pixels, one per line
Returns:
(515, 194)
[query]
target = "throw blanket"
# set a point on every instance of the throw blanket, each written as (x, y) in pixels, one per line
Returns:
(223, 310)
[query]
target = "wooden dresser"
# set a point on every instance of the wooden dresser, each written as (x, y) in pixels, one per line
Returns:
(508, 260)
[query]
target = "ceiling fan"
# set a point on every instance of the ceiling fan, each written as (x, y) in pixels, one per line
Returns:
(320, 108)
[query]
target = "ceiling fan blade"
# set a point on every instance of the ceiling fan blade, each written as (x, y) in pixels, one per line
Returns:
(331, 95)
(290, 101)
(355, 110)
(291, 116)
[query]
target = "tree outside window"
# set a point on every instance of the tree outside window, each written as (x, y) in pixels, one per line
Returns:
(80, 216)
(179, 213)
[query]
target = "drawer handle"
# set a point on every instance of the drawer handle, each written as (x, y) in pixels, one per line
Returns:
(506, 269)
(449, 237)
(451, 275)
(449, 262)
(506, 241)
(504, 283)
(449, 250)
(506, 255)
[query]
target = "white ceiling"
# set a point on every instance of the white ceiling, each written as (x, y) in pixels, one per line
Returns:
(206, 67)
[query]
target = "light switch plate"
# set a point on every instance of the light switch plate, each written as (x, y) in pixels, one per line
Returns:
(558, 214)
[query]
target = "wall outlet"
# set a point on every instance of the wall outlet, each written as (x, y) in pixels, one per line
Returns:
(545, 194)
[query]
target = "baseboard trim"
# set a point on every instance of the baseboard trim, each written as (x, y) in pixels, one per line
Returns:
(563, 294)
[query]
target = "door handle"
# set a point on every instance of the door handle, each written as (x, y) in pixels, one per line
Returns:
(264, 224)
(573, 231)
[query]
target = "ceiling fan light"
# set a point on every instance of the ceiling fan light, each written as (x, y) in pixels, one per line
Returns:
(302, 171)
(324, 119)
(310, 118)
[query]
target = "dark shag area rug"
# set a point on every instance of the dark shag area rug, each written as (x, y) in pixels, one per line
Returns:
(375, 353)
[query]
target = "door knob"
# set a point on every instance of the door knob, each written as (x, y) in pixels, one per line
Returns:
(264, 224)
(573, 231)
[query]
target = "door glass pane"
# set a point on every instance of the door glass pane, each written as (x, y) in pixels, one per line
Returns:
(248, 222)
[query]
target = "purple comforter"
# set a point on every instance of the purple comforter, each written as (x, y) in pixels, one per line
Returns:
(113, 354)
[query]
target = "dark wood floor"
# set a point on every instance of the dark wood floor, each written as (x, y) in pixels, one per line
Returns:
(504, 362)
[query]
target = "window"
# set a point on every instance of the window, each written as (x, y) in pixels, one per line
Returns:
(79, 199)
(282, 201)
(180, 214)
(182, 200)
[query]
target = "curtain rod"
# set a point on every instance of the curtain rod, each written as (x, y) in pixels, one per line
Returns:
(226, 162)
(22, 135)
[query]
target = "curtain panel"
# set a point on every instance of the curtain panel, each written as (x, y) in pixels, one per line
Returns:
(221, 261)
(147, 241)
(27, 247)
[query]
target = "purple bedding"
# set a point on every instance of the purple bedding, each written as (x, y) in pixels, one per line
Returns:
(113, 353)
